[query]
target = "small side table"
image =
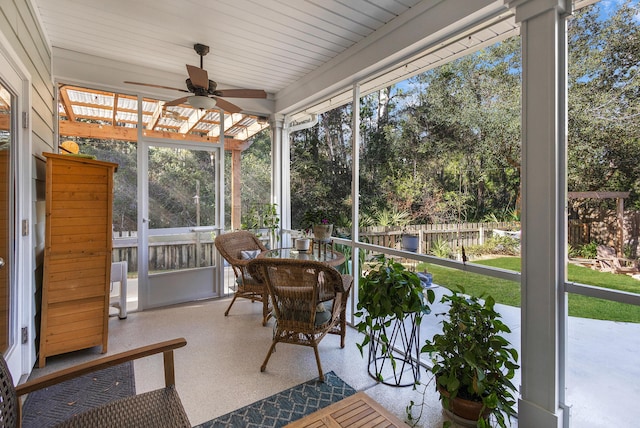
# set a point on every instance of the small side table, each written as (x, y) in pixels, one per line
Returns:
(322, 246)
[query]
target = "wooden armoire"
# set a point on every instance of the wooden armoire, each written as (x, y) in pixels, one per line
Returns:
(77, 255)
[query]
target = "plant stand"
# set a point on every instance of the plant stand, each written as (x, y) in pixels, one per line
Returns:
(404, 346)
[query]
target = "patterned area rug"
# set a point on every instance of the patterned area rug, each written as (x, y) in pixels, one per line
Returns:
(286, 406)
(60, 402)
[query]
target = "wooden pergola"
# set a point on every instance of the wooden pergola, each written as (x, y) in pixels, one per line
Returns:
(620, 197)
(91, 113)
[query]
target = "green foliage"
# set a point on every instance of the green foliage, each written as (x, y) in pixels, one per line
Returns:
(504, 245)
(321, 167)
(388, 292)
(250, 218)
(386, 217)
(445, 145)
(471, 359)
(508, 292)
(263, 216)
(604, 90)
(256, 180)
(316, 216)
(442, 249)
(572, 251)
(589, 251)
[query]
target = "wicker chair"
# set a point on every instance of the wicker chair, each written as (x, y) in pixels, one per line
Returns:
(309, 300)
(232, 246)
(159, 408)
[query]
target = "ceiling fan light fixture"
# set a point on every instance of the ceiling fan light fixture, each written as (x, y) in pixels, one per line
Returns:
(199, 101)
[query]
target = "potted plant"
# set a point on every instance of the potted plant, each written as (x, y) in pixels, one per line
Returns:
(303, 242)
(410, 241)
(323, 230)
(271, 222)
(388, 294)
(318, 221)
(473, 363)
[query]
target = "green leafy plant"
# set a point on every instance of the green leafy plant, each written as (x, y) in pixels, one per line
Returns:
(315, 216)
(472, 360)
(250, 218)
(441, 248)
(271, 221)
(504, 245)
(589, 251)
(388, 292)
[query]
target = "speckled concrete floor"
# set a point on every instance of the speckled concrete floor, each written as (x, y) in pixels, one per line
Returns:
(219, 369)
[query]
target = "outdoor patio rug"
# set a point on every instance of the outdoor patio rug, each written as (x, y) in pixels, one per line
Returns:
(286, 406)
(48, 406)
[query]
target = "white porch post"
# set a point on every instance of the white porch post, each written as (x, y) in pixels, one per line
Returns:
(544, 217)
(280, 172)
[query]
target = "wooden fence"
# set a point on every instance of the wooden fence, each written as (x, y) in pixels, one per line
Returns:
(431, 235)
(601, 228)
(185, 252)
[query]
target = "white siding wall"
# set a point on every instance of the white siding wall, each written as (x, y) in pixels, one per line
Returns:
(20, 27)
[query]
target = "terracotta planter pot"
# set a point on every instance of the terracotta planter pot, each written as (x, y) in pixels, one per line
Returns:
(466, 409)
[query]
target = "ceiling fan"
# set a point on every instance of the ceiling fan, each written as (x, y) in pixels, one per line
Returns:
(205, 95)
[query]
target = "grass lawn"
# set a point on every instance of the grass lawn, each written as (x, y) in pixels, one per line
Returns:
(508, 292)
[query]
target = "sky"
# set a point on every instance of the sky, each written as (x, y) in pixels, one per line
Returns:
(608, 6)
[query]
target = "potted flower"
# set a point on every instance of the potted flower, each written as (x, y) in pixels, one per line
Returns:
(318, 221)
(473, 363)
(389, 294)
(323, 230)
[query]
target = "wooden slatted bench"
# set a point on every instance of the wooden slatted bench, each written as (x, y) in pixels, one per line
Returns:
(358, 410)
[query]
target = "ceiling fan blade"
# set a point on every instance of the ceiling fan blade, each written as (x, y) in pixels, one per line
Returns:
(227, 106)
(156, 86)
(176, 102)
(199, 77)
(242, 93)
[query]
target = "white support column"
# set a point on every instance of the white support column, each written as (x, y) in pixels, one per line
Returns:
(355, 191)
(544, 212)
(220, 212)
(280, 172)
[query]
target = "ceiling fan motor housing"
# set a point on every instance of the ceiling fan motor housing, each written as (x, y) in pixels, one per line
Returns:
(201, 91)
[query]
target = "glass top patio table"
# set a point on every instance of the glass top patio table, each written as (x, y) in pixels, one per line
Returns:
(330, 257)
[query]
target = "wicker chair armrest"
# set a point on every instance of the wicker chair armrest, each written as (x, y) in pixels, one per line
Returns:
(165, 347)
(347, 282)
(242, 263)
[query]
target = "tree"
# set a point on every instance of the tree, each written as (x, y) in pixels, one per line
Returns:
(604, 89)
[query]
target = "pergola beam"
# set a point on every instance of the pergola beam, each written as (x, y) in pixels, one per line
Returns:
(192, 121)
(114, 115)
(92, 104)
(66, 104)
(105, 132)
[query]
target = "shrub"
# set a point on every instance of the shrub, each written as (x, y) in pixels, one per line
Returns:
(441, 248)
(589, 251)
(503, 245)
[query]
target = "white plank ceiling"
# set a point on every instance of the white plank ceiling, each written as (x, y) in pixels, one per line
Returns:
(262, 44)
(257, 44)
